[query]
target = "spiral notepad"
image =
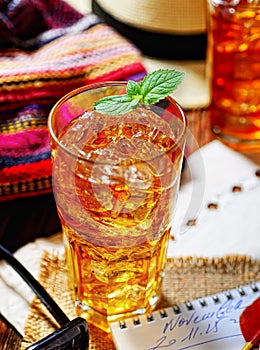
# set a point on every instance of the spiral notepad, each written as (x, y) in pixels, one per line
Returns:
(208, 323)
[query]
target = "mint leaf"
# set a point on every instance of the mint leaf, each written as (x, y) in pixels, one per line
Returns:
(159, 84)
(154, 87)
(118, 104)
(133, 89)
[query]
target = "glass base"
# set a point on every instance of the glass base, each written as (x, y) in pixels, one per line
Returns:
(240, 145)
(102, 321)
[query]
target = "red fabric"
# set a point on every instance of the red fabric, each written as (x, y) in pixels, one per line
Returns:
(56, 51)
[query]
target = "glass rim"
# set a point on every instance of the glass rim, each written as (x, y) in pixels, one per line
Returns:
(97, 85)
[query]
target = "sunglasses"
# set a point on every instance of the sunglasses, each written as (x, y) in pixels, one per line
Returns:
(72, 334)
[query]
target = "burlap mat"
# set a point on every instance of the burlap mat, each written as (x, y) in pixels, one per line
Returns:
(186, 279)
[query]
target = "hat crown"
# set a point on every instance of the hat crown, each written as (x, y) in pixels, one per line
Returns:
(164, 16)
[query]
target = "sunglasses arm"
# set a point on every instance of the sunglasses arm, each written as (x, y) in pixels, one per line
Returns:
(37, 288)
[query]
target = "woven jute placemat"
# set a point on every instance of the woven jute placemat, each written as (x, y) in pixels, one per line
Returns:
(186, 279)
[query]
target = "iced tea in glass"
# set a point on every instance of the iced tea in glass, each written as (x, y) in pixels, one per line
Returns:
(233, 64)
(115, 181)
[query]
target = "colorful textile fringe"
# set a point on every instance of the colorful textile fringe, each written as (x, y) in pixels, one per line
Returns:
(25, 164)
(67, 50)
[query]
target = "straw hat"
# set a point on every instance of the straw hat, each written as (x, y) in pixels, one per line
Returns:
(165, 28)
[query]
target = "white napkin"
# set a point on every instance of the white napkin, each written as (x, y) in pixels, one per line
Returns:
(232, 228)
(15, 295)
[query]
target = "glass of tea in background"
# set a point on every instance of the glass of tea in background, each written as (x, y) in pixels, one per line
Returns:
(233, 67)
(115, 181)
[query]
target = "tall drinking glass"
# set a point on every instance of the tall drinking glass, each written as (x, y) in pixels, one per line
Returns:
(115, 181)
(233, 64)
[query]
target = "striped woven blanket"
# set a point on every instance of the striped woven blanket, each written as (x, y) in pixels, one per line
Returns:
(46, 50)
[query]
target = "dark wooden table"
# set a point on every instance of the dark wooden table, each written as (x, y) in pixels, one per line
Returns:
(10, 339)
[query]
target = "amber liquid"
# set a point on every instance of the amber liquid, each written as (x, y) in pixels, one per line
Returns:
(116, 211)
(234, 59)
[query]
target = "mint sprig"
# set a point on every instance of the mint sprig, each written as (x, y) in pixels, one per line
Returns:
(154, 87)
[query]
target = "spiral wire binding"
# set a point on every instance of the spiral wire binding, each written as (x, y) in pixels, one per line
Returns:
(189, 305)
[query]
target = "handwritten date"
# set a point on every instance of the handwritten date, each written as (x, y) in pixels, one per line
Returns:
(197, 326)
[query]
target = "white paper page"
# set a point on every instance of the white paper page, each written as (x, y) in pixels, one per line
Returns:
(214, 326)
